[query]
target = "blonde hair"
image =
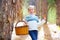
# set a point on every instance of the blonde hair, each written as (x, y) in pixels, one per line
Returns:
(33, 7)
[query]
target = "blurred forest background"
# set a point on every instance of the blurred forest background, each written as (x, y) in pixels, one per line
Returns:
(14, 10)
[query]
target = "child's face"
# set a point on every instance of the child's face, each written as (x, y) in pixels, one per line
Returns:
(31, 10)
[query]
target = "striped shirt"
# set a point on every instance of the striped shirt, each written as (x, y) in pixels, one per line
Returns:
(32, 22)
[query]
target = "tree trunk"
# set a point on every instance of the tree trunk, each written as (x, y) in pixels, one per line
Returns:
(58, 12)
(11, 10)
(44, 9)
(17, 10)
(7, 25)
(1, 21)
(38, 8)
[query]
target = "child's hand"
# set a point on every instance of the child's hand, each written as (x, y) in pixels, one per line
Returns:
(43, 21)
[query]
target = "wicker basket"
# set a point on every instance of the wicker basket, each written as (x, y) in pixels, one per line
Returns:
(21, 30)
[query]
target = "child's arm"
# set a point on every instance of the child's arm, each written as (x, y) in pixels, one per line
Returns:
(41, 22)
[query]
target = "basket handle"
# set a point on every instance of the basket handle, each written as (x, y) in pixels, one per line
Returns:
(20, 21)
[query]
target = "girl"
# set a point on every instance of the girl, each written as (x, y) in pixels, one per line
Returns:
(32, 21)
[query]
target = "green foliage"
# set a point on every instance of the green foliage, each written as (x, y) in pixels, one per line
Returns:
(52, 15)
(51, 11)
(51, 3)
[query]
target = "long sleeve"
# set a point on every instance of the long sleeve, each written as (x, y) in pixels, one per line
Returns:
(41, 22)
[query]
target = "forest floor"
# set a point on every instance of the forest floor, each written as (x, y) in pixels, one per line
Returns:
(46, 32)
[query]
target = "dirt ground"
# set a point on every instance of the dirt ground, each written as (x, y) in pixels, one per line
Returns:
(46, 32)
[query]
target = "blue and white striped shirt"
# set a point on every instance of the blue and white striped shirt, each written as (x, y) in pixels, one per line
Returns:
(32, 21)
(32, 17)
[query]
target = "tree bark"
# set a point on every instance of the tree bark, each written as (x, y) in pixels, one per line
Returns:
(44, 13)
(44, 9)
(38, 8)
(1, 21)
(7, 25)
(10, 11)
(58, 12)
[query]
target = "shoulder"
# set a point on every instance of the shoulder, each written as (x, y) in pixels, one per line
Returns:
(36, 16)
(27, 16)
